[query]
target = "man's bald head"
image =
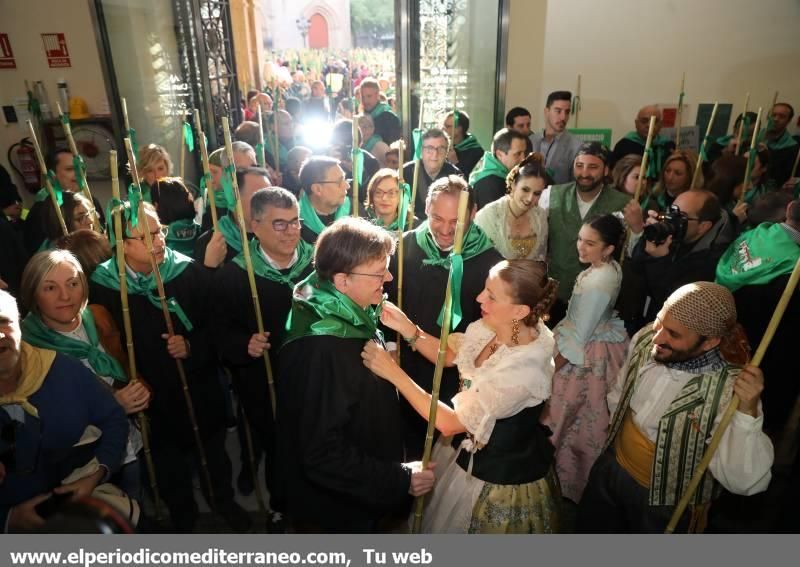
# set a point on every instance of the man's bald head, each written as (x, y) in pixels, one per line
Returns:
(643, 120)
(703, 210)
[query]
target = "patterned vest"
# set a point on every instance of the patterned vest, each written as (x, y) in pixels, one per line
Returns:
(682, 430)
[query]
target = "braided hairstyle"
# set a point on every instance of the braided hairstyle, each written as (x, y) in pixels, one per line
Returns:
(529, 285)
(531, 166)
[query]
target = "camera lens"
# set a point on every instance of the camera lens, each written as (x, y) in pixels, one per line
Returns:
(657, 233)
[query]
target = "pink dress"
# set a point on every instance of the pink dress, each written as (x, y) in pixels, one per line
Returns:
(593, 340)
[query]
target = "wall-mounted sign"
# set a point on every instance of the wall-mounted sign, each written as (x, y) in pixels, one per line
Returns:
(7, 60)
(55, 47)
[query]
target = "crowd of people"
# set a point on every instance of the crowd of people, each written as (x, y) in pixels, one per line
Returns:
(595, 339)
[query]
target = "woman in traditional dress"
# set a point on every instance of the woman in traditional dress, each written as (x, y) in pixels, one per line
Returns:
(493, 460)
(590, 347)
(55, 294)
(515, 223)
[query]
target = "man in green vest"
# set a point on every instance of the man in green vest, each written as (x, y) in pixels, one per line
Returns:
(782, 147)
(488, 179)
(465, 150)
(634, 141)
(387, 124)
(570, 204)
(671, 391)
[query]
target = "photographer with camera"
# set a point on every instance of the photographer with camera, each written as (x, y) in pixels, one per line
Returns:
(677, 247)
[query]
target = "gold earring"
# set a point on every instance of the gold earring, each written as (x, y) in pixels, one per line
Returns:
(515, 331)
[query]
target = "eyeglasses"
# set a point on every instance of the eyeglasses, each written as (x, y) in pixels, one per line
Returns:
(283, 225)
(379, 276)
(337, 181)
(435, 149)
(161, 232)
(391, 194)
(83, 217)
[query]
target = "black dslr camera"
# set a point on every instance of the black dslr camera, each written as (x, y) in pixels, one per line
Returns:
(673, 223)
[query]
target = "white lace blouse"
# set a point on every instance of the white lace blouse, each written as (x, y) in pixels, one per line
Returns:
(512, 379)
(493, 220)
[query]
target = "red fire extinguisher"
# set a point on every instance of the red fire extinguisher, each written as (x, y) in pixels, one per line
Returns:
(26, 165)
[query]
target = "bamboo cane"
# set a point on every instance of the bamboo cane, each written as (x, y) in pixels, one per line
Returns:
(148, 240)
(43, 169)
(133, 375)
(356, 174)
(182, 140)
(206, 168)
(578, 101)
(774, 100)
(275, 115)
(740, 133)
(753, 148)
(452, 141)
(415, 180)
(249, 264)
(700, 159)
(73, 147)
(401, 181)
(440, 359)
(261, 158)
(796, 163)
(642, 175)
(777, 315)
(679, 113)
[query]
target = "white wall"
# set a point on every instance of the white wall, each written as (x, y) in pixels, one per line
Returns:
(24, 22)
(633, 52)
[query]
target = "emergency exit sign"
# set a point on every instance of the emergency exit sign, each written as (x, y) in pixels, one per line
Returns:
(55, 48)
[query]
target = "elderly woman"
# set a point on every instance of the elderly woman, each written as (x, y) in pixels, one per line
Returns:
(494, 459)
(515, 223)
(55, 294)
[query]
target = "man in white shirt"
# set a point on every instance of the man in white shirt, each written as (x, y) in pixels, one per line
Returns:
(666, 404)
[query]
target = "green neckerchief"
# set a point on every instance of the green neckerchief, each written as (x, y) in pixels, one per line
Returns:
(369, 144)
(43, 194)
(759, 190)
(310, 217)
(261, 267)
(379, 109)
(226, 180)
(468, 143)
(489, 165)
(785, 141)
(182, 235)
(416, 136)
(171, 267)
(134, 144)
(80, 170)
(46, 244)
(475, 242)
(230, 230)
(758, 257)
(35, 332)
(399, 223)
(724, 140)
(658, 150)
(319, 309)
(219, 196)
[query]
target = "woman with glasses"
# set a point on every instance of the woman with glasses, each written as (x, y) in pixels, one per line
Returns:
(493, 459)
(383, 199)
(515, 223)
(77, 212)
(55, 293)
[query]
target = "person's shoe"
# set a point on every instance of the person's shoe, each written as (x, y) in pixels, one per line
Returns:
(245, 482)
(276, 523)
(236, 517)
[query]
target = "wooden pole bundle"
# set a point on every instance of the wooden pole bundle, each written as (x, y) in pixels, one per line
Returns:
(73, 147)
(43, 170)
(642, 176)
(249, 263)
(701, 159)
(753, 148)
(206, 168)
(777, 315)
(740, 133)
(679, 113)
(442, 354)
(133, 375)
(162, 296)
(415, 180)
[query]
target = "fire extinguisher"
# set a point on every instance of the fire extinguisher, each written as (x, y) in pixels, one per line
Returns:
(26, 164)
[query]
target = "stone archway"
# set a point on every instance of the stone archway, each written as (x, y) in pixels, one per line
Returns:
(318, 32)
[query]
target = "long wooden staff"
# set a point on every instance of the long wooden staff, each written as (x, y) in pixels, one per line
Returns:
(43, 169)
(73, 147)
(182, 139)
(748, 168)
(442, 355)
(642, 176)
(701, 159)
(354, 160)
(679, 113)
(248, 261)
(261, 157)
(162, 296)
(206, 168)
(415, 180)
(577, 99)
(796, 163)
(275, 112)
(777, 315)
(133, 376)
(401, 180)
(740, 132)
(774, 100)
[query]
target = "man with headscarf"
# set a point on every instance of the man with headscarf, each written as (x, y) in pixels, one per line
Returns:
(667, 402)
